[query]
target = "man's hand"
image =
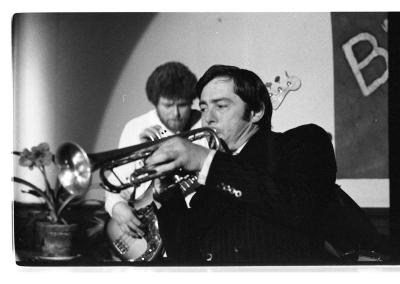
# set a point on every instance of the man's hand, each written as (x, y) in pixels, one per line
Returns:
(176, 153)
(127, 220)
(151, 133)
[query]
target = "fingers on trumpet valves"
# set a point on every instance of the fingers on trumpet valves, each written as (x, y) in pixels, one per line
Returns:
(160, 156)
(167, 168)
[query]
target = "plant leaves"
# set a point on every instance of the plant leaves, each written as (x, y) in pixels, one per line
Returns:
(65, 203)
(30, 191)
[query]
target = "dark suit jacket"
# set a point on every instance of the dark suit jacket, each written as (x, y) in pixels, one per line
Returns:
(261, 206)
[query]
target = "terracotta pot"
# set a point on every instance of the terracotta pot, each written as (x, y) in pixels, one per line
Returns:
(56, 240)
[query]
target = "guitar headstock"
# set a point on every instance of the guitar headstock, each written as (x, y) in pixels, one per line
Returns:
(281, 87)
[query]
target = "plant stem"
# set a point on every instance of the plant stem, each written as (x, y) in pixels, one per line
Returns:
(41, 193)
(49, 191)
(57, 188)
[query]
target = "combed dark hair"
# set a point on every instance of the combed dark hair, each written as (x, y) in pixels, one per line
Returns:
(247, 85)
(171, 80)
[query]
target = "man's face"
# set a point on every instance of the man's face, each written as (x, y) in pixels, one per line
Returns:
(224, 111)
(175, 114)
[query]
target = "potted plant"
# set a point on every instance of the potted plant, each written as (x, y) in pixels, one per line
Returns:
(54, 235)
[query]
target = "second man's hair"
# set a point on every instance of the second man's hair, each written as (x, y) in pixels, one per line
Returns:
(171, 80)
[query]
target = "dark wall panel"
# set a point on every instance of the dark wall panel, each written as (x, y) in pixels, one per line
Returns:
(361, 94)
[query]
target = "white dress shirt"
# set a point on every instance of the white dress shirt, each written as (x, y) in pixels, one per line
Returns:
(130, 136)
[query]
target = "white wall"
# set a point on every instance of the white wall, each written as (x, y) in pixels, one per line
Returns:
(33, 111)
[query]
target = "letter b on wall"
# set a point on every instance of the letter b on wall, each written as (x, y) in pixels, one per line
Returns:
(361, 94)
(357, 67)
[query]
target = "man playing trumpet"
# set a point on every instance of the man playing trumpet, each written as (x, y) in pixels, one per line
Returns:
(259, 203)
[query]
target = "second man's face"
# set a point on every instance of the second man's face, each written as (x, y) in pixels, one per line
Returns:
(174, 113)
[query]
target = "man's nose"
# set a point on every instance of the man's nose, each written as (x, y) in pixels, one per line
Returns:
(176, 111)
(209, 117)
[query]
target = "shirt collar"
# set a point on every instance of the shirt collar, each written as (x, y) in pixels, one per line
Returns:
(238, 150)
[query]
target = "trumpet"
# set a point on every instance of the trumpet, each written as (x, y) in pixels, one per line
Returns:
(76, 167)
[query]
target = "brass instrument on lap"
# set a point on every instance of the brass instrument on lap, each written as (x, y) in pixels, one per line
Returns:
(76, 169)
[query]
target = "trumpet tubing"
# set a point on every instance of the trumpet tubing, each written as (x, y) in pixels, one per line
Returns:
(76, 167)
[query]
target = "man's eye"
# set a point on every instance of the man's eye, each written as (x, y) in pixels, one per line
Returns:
(202, 109)
(221, 106)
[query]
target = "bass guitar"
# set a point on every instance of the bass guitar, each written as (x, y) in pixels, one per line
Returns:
(150, 247)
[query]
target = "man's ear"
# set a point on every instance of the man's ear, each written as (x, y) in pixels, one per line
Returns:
(257, 115)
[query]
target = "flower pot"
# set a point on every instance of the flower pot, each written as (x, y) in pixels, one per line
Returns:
(56, 240)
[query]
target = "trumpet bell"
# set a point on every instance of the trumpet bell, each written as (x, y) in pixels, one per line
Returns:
(75, 173)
